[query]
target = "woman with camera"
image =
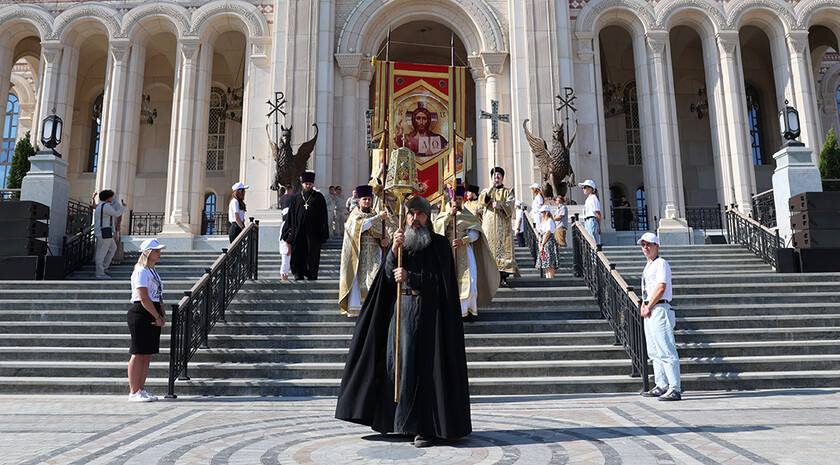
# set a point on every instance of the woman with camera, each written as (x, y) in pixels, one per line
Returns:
(146, 317)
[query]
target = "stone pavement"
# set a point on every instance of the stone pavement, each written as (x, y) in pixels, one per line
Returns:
(782, 427)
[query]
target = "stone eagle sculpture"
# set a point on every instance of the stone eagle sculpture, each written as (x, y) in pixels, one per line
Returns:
(289, 166)
(555, 164)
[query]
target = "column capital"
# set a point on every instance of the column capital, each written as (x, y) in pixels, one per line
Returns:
(585, 48)
(476, 66)
(189, 49)
(120, 49)
(656, 42)
(494, 62)
(728, 41)
(50, 50)
(797, 41)
(349, 64)
(365, 70)
(259, 50)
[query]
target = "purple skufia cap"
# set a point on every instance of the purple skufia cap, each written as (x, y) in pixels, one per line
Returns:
(459, 191)
(307, 176)
(364, 191)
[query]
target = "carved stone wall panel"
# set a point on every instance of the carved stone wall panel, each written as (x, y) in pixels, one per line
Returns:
(737, 10)
(108, 16)
(41, 18)
(178, 15)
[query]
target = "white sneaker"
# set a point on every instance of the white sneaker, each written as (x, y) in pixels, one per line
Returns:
(146, 394)
(138, 397)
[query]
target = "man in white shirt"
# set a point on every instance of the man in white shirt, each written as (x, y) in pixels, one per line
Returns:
(591, 210)
(519, 225)
(561, 217)
(104, 226)
(659, 322)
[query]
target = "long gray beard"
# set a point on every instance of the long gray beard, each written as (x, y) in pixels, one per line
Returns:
(417, 239)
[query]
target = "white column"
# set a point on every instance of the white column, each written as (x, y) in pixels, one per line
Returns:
(352, 115)
(181, 147)
(666, 134)
(363, 161)
(715, 91)
(482, 152)
(51, 60)
(112, 153)
(736, 128)
(256, 163)
(6, 64)
(804, 94)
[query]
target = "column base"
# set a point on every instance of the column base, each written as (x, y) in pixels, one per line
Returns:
(176, 237)
(674, 231)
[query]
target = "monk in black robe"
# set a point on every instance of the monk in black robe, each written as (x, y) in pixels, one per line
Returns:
(434, 399)
(305, 229)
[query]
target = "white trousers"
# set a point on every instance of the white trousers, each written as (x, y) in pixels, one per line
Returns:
(105, 250)
(285, 265)
(470, 304)
(662, 349)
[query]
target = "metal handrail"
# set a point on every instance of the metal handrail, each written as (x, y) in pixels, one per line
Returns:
(748, 232)
(764, 208)
(78, 250)
(618, 302)
(79, 217)
(704, 217)
(9, 194)
(205, 303)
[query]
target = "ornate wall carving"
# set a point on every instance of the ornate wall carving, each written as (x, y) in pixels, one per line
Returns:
(39, 17)
(713, 11)
(590, 13)
(808, 11)
(177, 14)
(738, 8)
(254, 20)
(106, 15)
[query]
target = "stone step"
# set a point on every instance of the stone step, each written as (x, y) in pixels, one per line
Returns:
(758, 321)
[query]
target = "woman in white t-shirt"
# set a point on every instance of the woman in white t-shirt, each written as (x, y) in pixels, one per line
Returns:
(236, 211)
(145, 317)
(548, 257)
(537, 203)
(591, 210)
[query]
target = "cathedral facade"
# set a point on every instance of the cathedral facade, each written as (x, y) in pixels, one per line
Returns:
(675, 104)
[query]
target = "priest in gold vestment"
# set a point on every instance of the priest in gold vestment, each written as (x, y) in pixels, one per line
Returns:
(361, 251)
(475, 266)
(496, 208)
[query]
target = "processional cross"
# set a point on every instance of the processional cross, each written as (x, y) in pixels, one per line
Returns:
(494, 118)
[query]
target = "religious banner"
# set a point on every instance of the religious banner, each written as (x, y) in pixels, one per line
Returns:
(424, 107)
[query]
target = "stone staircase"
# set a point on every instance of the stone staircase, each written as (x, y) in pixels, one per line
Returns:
(740, 326)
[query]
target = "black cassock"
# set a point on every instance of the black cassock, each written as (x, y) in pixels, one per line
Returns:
(305, 230)
(434, 395)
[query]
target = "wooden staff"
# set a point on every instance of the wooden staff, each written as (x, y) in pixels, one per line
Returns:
(399, 308)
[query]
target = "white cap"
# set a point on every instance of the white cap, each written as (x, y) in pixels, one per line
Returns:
(518, 203)
(238, 185)
(535, 185)
(545, 208)
(648, 237)
(588, 182)
(150, 244)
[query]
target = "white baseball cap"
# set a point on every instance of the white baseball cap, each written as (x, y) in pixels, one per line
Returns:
(648, 237)
(588, 182)
(518, 203)
(150, 244)
(545, 208)
(535, 185)
(239, 185)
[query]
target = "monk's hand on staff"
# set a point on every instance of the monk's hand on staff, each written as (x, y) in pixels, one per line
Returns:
(383, 243)
(400, 275)
(399, 239)
(453, 211)
(495, 204)
(457, 243)
(383, 214)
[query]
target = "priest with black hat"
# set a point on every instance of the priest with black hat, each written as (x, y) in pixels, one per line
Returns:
(471, 198)
(496, 209)
(306, 229)
(433, 389)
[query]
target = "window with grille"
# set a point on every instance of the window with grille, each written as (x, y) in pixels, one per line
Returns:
(754, 118)
(632, 131)
(7, 150)
(641, 210)
(216, 131)
(95, 132)
(209, 227)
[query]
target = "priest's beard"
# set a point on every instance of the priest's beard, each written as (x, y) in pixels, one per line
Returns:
(417, 239)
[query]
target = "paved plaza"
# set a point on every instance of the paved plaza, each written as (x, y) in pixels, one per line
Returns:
(782, 427)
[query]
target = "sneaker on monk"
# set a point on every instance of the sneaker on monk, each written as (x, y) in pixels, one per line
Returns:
(655, 392)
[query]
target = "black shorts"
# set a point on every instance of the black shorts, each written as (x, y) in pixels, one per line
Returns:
(145, 336)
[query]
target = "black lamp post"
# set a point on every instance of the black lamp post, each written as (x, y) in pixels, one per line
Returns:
(789, 125)
(51, 133)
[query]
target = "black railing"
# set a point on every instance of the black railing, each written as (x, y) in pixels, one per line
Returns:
(79, 217)
(78, 249)
(9, 195)
(531, 240)
(204, 305)
(764, 209)
(144, 224)
(629, 218)
(704, 217)
(214, 223)
(761, 240)
(618, 302)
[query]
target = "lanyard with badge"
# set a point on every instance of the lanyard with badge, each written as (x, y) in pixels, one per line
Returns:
(159, 290)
